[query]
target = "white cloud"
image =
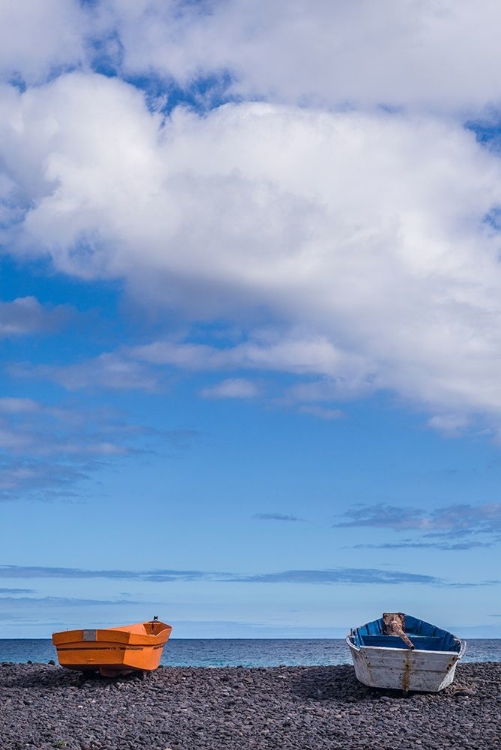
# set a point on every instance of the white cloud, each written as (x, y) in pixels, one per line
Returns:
(108, 370)
(289, 351)
(32, 429)
(231, 388)
(422, 54)
(25, 315)
(322, 412)
(362, 236)
(22, 479)
(449, 424)
(46, 451)
(37, 38)
(450, 520)
(438, 54)
(18, 406)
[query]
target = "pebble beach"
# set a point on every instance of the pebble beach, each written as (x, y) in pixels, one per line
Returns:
(301, 708)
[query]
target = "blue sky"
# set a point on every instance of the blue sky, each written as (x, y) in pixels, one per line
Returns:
(250, 315)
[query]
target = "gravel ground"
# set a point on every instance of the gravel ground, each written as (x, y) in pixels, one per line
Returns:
(44, 706)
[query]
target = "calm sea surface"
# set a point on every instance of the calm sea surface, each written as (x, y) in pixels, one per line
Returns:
(240, 652)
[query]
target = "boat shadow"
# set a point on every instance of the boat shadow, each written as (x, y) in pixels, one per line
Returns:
(56, 678)
(336, 683)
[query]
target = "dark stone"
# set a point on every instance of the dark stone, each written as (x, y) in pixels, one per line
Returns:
(313, 708)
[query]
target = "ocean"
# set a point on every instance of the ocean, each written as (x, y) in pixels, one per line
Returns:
(240, 652)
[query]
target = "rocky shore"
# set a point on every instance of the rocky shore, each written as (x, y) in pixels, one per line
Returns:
(296, 708)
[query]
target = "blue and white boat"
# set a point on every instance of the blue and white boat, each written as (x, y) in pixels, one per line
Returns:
(401, 652)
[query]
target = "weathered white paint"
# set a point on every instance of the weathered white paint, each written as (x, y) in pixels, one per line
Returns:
(404, 669)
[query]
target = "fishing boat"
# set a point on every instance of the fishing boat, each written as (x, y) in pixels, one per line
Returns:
(401, 652)
(113, 651)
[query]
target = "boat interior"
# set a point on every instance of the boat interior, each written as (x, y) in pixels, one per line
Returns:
(154, 627)
(425, 637)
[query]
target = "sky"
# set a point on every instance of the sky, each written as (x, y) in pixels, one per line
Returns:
(250, 315)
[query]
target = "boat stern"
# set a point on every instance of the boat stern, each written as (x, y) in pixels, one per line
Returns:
(404, 669)
(113, 651)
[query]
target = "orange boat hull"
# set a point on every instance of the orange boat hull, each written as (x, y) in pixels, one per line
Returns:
(113, 651)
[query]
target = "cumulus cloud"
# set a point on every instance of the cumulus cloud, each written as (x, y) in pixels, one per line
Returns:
(365, 238)
(437, 54)
(39, 39)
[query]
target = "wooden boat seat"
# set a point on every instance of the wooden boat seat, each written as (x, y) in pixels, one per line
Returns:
(421, 642)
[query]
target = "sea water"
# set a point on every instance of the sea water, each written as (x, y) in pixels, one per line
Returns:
(222, 652)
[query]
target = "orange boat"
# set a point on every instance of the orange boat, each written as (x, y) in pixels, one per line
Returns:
(113, 651)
